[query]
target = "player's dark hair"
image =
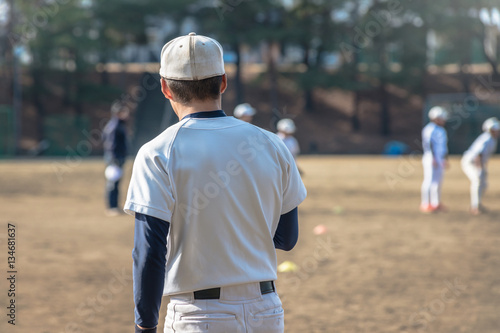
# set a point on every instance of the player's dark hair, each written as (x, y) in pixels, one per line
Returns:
(186, 91)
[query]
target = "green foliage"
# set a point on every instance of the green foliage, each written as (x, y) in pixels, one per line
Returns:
(67, 31)
(379, 41)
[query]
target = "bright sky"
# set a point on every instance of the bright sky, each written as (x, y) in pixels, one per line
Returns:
(4, 12)
(490, 17)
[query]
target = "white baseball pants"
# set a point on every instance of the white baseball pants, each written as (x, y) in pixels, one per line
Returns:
(478, 181)
(240, 309)
(431, 186)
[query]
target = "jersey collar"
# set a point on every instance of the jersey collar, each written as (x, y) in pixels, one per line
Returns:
(206, 114)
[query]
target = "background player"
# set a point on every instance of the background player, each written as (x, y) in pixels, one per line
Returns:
(434, 160)
(286, 129)
(115, 152)
(244, 112)
(220, 195)
(475, 162)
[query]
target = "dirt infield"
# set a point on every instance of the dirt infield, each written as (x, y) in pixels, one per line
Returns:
(381, 267)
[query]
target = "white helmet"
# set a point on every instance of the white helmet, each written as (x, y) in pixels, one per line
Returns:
(438, 112)
(286, 126)
(491, 124)
(244, 109)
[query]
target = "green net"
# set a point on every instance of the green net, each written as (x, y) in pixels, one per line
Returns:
(65, 135)
(7, 144)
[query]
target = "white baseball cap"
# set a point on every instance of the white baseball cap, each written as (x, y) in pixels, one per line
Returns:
(491, 124)
(438, 112)
(191, 58)
(286, 126)
(244, 109)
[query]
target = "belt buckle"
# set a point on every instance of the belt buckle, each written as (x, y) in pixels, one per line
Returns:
(266, 287)
(212, 293)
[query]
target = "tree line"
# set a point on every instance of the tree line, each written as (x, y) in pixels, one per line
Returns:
(355, 45)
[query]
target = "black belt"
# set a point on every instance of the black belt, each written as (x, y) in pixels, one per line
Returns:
(266, 287)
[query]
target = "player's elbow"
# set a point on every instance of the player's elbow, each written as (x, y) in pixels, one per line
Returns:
(288, 245)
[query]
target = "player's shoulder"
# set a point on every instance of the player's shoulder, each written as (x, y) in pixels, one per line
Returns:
(429, 127)
(276, 142)
(272, 137)
(161, 144)
(111, 125)
(485, 138)
(439, 131)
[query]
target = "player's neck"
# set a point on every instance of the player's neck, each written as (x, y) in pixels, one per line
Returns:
(182, 110)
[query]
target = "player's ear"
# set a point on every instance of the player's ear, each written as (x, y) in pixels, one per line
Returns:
(223, 85)
(165, 90)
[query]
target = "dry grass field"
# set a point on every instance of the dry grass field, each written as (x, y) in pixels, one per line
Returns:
(382, 266)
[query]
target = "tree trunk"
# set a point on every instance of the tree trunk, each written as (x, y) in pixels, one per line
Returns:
(79, 79)
(37, 75)
(308, 100)
(103, 59)
(308, 94)
(493, 63)
(384, 109)
(355, 125)
(240, 94)
(67, 88)
(104, 72)
(9, 52)
(385, 126)
(464, 77)
(104, 75)
(78, 98)
(425, 73)
(356, 97)
(273, 74)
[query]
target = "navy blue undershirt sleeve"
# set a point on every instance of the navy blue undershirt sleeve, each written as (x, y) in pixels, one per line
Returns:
(287, 233)
(149, 255)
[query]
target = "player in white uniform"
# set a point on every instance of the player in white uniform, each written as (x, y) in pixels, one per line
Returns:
(434, 160)
(286, 129)
(213, 198)
(244, 112)
(475, 162)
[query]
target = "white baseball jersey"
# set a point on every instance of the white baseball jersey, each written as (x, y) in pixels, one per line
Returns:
(485, 145)
(435, 142)
(291, 143)
(214, 180)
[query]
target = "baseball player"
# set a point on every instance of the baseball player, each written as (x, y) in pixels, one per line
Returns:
(115, 153)
(434, 160)
(475, 161)
(244, 112)
(213, 198)
(286, 129)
